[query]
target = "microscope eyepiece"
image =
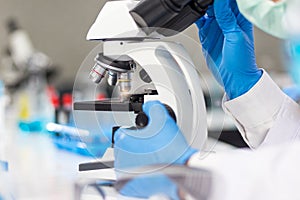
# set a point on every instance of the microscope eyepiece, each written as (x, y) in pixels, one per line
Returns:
(203, 3)
(154, 13)
(173, 15)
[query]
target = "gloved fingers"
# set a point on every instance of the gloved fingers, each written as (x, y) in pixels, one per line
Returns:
(225, 17)
(209, 14)
(201, 22)
(210, 11)
(158, 118)
(243, 23)
(119, 135)
(208, 26)
(213, 42)
(150, 185)
(204, 22)
(213, 67)
(211, 38)
(153, 109)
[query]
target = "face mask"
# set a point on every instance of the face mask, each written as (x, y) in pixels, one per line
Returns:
(291, 19)
(265, 14)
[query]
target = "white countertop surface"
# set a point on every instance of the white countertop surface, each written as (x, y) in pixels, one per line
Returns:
(40, 171)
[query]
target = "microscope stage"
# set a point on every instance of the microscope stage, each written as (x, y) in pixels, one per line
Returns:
(108, 105)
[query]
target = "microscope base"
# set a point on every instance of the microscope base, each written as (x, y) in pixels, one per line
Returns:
(102, 169)
(96, 165)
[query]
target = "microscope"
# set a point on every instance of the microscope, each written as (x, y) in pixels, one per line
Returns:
(144, 66)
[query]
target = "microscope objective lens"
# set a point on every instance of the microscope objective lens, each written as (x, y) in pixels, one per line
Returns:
(112, 78)
(97, 73)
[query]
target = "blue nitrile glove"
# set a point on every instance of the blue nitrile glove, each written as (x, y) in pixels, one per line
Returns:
(160, 142)
(147, 186)
(227, 43)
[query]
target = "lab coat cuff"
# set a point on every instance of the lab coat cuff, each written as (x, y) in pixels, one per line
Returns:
(256, 109)
(202, 160)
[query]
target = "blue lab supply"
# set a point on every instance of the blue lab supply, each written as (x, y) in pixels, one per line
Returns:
(81, 148)
(228, 47)
(293, 92)
(1, 88)
(160, 142)
(151, 185)
(78, 140)
(31, 126)
(35, 108)
(293, 51)
(3, 165)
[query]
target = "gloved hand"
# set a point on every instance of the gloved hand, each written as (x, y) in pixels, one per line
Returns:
(160, 142)
(148, 186)
(227, 43)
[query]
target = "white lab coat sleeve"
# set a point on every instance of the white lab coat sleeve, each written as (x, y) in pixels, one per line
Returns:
(265, 115)
(270, 172)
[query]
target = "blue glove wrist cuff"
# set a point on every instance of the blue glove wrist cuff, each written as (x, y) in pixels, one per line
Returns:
(242, 85)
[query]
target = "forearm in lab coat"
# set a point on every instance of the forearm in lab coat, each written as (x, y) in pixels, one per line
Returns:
(265, 115)
(271, 172)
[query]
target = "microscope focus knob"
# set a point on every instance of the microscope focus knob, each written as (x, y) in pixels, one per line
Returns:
(141, 120)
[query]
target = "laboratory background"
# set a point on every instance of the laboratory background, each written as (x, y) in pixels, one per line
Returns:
(41, 145)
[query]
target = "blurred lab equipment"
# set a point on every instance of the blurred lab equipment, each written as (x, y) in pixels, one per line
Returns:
(266, 15)
(3, 137)
(65, 135)
(21, 59)
(26, 79)
(292, 46)
(35, 108)
(5, 182)
(80, 141)
(63, 112)
(145, 67)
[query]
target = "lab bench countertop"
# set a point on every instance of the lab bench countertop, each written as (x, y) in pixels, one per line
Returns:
(37, 169)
